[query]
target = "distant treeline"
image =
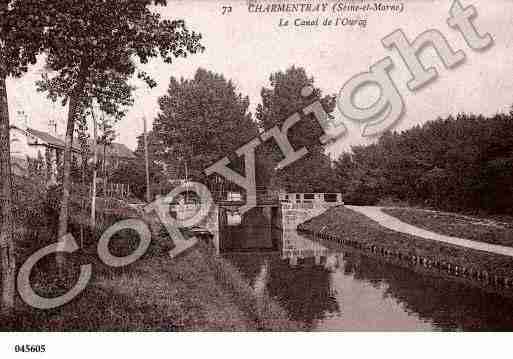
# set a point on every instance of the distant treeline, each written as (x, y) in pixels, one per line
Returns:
(460, 164)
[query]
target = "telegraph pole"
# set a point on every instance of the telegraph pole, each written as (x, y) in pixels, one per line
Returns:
(95, 165)
(146, 158)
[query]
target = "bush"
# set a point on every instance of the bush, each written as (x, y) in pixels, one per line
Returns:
(36, 213)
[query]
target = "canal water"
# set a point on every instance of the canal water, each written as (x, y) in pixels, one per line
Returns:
(342, 289)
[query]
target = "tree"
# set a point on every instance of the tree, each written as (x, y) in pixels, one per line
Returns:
(201, 120)
(108, 135)
(358, 173)
(459, 163)
(92, 47)
(20, 41)
(313, 172)
(134, 171)
(83, 138)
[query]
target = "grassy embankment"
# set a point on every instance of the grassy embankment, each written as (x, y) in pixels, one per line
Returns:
(195, 292)
(453, 224)
(356, 229)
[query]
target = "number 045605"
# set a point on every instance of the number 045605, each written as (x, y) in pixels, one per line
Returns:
(30, 348)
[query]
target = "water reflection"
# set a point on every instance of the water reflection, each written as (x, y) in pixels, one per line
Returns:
(303, 290)
(341, 289)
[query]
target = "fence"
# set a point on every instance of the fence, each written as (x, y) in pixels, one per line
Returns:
(311, 197)
(116, 190)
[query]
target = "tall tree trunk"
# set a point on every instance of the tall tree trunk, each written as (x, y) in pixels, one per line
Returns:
(104, 170)
(7, 225)
(74, 104)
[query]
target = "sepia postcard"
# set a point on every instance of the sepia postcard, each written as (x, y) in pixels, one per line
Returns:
(253, 166)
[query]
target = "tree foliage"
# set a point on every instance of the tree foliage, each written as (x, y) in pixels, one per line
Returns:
(458, 163)
(202, 120)
(282, 99)
(110, 91)
(93, 47)
(21, 35)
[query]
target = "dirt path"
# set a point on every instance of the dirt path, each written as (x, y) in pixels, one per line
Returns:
(377, 215)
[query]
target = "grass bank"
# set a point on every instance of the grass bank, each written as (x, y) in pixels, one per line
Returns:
(195, 292)
(457, 225)
(357, 230)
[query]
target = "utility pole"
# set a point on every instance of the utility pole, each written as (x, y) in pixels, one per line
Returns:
(186, 182)
(146, 158)
(95, 165)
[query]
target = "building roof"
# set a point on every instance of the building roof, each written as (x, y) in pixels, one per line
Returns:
(114, 149)
(46, 137)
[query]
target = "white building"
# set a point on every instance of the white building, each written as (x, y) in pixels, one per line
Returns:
(44, 149)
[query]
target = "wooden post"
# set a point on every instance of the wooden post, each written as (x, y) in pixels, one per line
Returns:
(95, 162)
(146, 158)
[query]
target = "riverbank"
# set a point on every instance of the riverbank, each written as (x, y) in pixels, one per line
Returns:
(457, 225)
(195, 292)
(342, 226)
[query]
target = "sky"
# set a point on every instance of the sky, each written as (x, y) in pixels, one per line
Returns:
(247, 47)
